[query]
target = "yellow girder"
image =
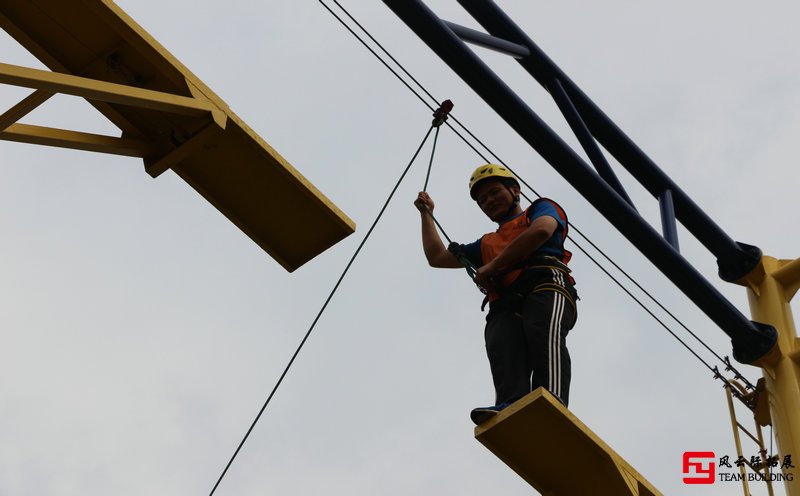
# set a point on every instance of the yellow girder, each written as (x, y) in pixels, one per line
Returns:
(166, 116)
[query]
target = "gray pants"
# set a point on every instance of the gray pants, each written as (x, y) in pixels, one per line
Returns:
(526, 345)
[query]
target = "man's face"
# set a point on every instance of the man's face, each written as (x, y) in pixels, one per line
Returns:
(495, 199)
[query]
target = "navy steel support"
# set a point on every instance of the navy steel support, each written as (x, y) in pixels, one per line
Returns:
(586, 139)
(735, 260)
(668, 225)
(486, 41)
(750, 340)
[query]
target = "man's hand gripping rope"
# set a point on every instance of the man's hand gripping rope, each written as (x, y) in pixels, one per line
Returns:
(424, 204)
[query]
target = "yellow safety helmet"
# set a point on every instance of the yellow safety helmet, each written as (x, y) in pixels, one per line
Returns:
(488, 171)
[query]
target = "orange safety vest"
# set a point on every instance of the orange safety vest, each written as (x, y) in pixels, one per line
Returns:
(492, 244)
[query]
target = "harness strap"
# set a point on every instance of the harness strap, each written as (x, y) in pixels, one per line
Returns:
(556, 288)
(511, 293)
(540, 262)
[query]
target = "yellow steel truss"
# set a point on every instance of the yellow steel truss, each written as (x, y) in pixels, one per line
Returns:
(771, 287)
(167, 117)
(754, 399)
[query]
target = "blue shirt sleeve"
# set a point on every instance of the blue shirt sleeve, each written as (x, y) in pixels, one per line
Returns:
(555, 245)
(473, 252)
(542, 208)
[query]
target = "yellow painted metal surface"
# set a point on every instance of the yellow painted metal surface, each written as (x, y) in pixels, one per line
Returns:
(168, 117)
(738, 428)
(556, 453)
(38, 135)
(20, 110)
(771, 287)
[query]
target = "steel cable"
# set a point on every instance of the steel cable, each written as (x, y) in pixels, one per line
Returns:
(319, 314)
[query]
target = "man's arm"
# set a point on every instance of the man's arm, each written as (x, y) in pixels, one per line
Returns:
(432, 245)
(540, 230)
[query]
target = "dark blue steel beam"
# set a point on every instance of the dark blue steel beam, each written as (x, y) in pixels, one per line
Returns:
(587, 140)
(735, 260)
(750, 341)
(559, 95)
(668, 225)
(487, 41)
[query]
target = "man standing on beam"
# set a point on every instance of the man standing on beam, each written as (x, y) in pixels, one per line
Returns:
(531, 294)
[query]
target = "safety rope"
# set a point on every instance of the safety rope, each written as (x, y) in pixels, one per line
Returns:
(324, 306)
(430, 162)
(439, 118)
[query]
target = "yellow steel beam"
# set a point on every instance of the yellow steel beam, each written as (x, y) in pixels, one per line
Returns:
(175, 157)
(770, 289)
(103, 91)
(27, 37)
(38, 135)
(99, 53)
(23, 108)
(537, 434)
(789, 276)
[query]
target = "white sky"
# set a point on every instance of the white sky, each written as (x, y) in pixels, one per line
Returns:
(142, 331)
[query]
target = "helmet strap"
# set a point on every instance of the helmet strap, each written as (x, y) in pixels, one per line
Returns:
(514, 196)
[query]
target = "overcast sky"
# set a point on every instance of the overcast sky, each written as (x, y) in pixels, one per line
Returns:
(142, 331)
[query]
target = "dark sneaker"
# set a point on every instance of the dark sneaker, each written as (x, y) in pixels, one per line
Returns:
(482, 414)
